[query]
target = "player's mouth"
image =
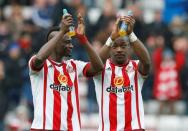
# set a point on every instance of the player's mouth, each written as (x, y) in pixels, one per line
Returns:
(68, 51)
(119, 55)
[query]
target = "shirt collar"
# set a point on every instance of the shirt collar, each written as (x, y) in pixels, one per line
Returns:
(51, 62)
(124, 64)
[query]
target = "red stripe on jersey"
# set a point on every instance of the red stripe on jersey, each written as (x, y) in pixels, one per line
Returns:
(44, 96)
(87, 66)
(102, 97)
(127, 98)
(76, 91)
(113, 103)
(69, 100)
(57, 103)
(136, 91)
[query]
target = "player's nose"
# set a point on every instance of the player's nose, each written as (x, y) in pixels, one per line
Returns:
(119, 49)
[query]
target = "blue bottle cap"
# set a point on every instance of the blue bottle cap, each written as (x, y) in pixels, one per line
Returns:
(130, 13)
(65, 11)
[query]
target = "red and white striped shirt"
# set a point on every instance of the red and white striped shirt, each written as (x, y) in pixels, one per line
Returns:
(118, 91)
(55, 95)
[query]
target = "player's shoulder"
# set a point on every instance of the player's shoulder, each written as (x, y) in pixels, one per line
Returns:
(132, 65)
(77, 62)
(134, 62)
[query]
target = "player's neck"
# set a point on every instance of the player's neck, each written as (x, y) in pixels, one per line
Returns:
(56, 58)
(119, 63)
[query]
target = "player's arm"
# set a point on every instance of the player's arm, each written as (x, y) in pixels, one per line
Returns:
(48, 47)
(96, 64)
(143, 55)
(105, 50)
(138, 48)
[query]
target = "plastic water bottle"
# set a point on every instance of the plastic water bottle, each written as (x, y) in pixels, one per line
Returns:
(71, 28)
(124, 26)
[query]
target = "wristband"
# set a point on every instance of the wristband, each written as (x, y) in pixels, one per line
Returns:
(109, 42)
(82, 38)
(132, 37)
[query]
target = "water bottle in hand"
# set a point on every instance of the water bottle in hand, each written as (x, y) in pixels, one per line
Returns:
(71, 28)
(124, 26)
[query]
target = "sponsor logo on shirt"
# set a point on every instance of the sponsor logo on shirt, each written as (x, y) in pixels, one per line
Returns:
(60, 87)
(119, 89)
(62, 79)
(118, 81)
(119, 86)
(63, 84)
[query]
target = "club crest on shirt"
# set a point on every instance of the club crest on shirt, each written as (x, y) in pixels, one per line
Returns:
(62, 79)
(108, 68)
(70, 69)
(129, 69)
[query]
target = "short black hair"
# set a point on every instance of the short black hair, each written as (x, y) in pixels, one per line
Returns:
(50, 30)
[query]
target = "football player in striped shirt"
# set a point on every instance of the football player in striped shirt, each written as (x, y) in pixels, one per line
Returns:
(54, 79)
(118, 87)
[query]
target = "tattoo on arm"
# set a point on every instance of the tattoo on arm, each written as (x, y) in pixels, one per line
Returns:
(38, 63)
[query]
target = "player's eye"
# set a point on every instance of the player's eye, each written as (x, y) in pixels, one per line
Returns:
(114, 47)
(125, 46)
(67, 41)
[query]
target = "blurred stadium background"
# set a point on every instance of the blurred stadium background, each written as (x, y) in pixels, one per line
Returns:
(160, 24)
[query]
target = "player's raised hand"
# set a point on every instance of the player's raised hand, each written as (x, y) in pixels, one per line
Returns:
(81, 26)
(115, 29)
(130, 22)
(66, 22)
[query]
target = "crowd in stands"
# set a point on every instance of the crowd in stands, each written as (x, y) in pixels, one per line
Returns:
(23, 28)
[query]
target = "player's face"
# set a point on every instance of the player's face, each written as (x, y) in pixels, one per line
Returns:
(119, 51)
(64, 48)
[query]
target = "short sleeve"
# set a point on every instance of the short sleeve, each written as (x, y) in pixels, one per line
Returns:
(33, 69)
